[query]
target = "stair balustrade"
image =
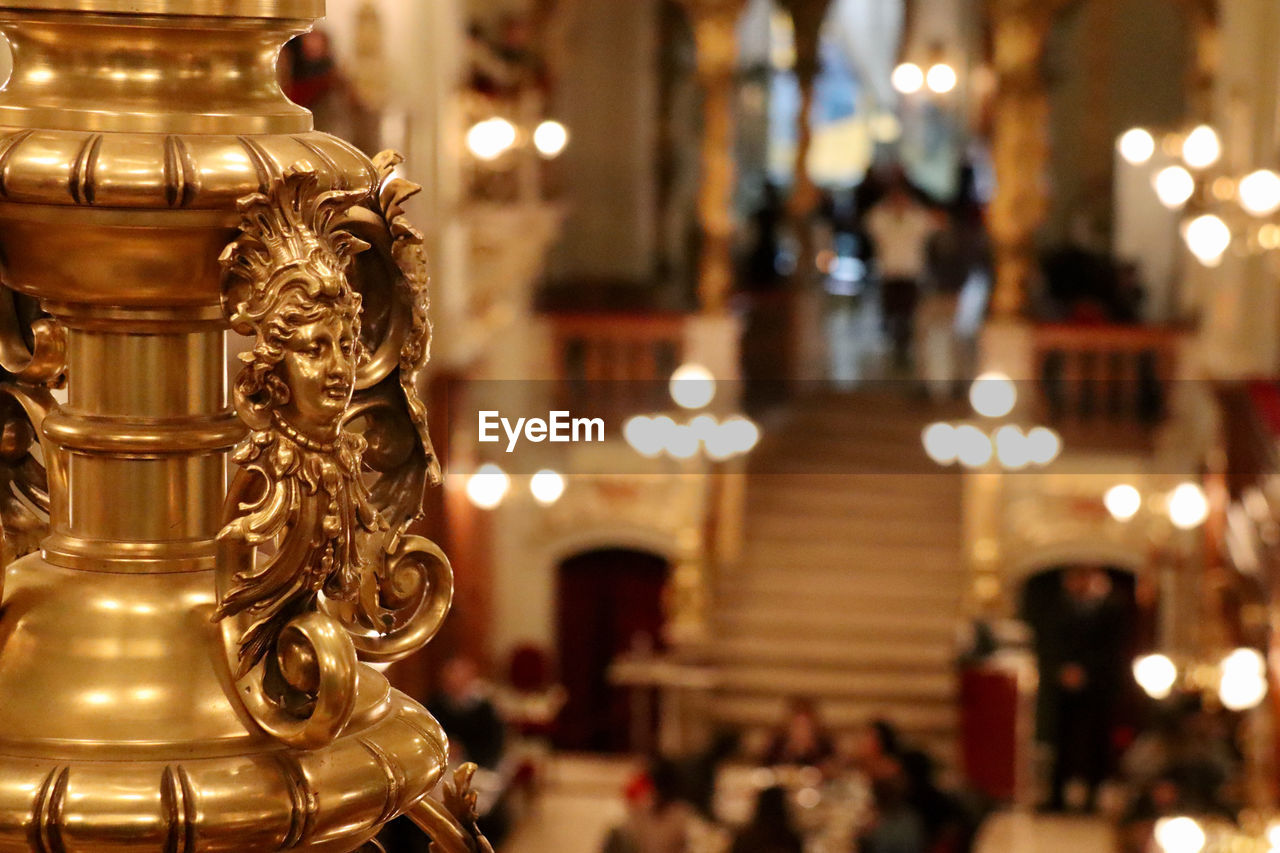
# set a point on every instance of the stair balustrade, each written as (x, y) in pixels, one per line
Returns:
(1103, 384)
(615, 363)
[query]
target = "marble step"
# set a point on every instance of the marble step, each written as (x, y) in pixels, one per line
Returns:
(746, 710)
(886, 460)
(839, 682)
(868, 654)
(780, 523)
(816, 562)
(887, 625)
(853, 594)
(835, 494)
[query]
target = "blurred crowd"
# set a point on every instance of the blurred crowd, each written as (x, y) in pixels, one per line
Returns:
(867, 789)
(867, 792)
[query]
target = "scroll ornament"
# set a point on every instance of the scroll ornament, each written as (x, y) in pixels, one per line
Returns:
(316, 568)
(32, 364)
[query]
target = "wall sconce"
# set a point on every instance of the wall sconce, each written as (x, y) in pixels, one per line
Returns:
(489, 486)
(992, 395)
(489, 139)
(1238, 679)
(1218, 226)
(692, 387)
(908, 78)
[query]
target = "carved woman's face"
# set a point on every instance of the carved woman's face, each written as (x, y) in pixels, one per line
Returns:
(319, 366)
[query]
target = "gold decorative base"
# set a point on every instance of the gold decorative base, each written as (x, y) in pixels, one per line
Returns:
(179, 660)
(118, 732)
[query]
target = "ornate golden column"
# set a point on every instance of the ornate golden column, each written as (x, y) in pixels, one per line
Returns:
(807, 17)
(715, 32)
(1020, 143)
(1020, 147)
(179, 664)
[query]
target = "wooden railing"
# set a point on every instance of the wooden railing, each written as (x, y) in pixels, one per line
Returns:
(1105, 377)
(615, 362)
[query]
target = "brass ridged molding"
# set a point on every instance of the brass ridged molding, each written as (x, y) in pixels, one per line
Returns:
(180, 662)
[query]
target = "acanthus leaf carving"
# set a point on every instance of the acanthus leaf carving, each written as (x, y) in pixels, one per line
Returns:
(32, 363)
(315, 565)
(452, 821)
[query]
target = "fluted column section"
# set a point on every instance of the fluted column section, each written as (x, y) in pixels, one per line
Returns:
(1020, 147)
(716, 39)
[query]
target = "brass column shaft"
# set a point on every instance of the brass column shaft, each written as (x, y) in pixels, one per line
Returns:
(145, 461)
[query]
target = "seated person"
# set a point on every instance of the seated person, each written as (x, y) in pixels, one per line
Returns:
(802, 740)
(770, 829)
(469, 719)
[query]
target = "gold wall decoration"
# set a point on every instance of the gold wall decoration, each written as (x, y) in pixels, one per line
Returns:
(715, 34)
(1020, 120)
(180, 661)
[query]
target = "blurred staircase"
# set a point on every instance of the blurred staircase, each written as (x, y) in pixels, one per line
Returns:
(849, 587)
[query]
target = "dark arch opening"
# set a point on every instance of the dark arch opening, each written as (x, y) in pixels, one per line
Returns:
(610, 603)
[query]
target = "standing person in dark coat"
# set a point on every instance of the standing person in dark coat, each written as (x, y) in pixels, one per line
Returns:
(1082, 645)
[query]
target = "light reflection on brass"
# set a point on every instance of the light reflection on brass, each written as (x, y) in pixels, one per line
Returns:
(164, 689)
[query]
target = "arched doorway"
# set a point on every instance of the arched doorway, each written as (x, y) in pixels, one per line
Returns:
(1087, 626)
(609, 603)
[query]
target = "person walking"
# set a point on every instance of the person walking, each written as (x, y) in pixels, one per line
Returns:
(900, 228)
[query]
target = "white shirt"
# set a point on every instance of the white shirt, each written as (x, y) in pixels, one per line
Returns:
(901, 235)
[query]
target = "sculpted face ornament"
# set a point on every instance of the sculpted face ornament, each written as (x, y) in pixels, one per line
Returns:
(316, 566)
(320, 368)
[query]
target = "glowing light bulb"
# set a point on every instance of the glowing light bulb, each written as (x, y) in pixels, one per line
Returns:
(741, 433)
(907, 78)
(704, 427)
(1208, 238)
(488, 486)
(546, 486)
(1179, 835)
(1122, 501)
(1269, 236)
(550, 138)
(1188, 507)
(644, 437)
(1245, 660)
(940, 443)
(1260, 192)
(692, 386)
(682, 442)
(1202, 148)
(1044, 445)
(993, 395)
(941, 78)
(1136, 146)
(1174, 186)
(489, 139)
(662, 429)
(1011, 448)
(1156, 675)
(973, 447)
(721, 443)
